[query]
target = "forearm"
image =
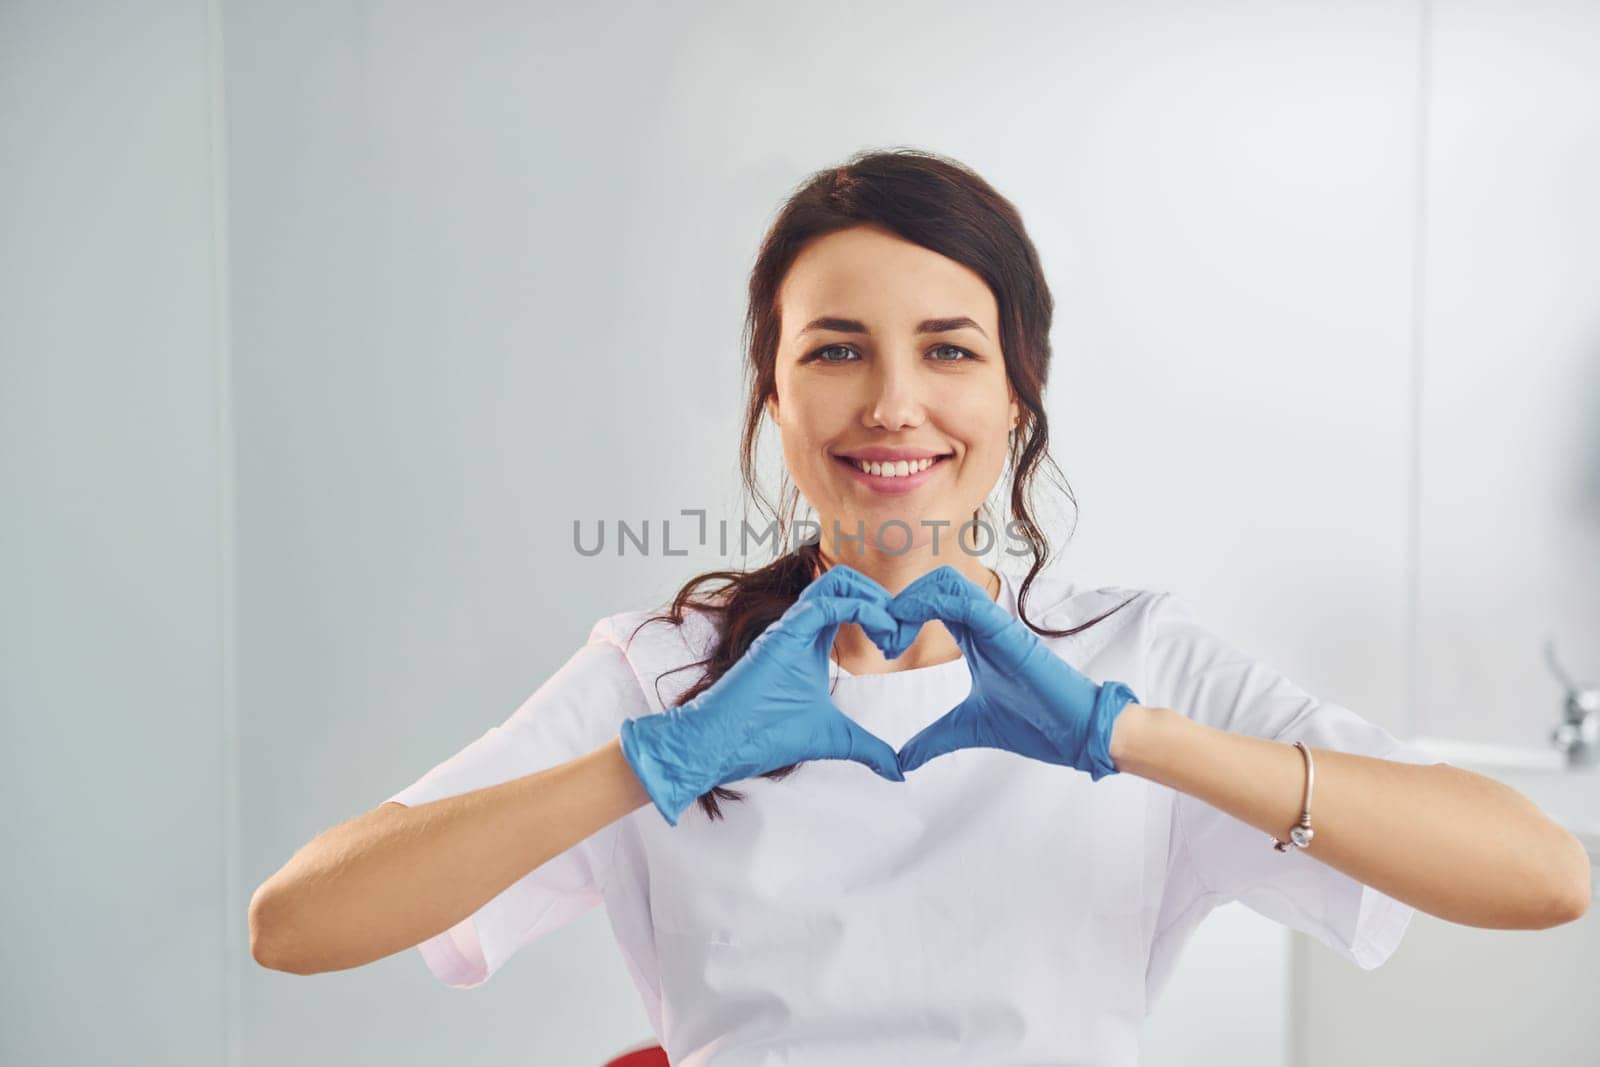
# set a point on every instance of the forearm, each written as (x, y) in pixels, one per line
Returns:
(1447, 841)
(395, 876)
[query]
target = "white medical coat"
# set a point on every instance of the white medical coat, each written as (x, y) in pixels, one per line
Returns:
(991, 909)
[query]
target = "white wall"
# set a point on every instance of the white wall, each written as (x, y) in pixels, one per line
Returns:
(1509, 535)
(321, 323)
(1507, 514)
(117, 834)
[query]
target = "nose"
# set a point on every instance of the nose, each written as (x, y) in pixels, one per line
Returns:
(896, 401)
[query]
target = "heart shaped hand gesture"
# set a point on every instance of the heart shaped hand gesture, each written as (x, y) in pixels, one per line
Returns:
(1025, 698)
(772, 707)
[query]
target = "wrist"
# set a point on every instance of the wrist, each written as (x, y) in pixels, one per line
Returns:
(1133, 735)
(661, 754)
(1112, 701)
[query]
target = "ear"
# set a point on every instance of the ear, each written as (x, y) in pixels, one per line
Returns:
(772, 406)
(1016, 413)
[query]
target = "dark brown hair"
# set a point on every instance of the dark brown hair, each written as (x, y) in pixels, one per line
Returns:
(943, 206)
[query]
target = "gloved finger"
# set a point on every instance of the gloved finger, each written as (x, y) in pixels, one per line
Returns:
(842, 580)
(958, 599)
(944, 579)
(960, 727)
(874, 752)
(873, 618)
(848, 739)
(912, 612)
(818, 618)
(905, 633)
(921, 607)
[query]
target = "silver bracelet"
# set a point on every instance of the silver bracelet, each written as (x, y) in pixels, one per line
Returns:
(1300, 836)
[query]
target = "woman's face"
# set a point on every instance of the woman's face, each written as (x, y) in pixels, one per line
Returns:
(857, 373)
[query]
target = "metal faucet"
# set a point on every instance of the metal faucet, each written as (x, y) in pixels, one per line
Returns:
(1579, 733)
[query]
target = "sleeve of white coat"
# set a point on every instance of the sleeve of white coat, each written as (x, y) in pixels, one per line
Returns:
(577, 709)
(1217, 858)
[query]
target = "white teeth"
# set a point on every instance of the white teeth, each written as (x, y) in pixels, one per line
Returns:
(895, 470)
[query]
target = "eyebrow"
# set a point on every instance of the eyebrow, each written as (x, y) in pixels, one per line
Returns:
(839, 325)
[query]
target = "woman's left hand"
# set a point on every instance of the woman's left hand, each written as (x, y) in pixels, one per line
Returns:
(1025, 698)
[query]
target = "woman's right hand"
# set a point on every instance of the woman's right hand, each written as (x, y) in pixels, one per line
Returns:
(772, 707)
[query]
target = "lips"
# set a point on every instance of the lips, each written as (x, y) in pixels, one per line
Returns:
(893, 484)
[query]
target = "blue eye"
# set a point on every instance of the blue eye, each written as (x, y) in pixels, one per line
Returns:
(817, 355)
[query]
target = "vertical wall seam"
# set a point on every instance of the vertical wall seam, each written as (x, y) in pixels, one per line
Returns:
(233, 941)
(1419, 296)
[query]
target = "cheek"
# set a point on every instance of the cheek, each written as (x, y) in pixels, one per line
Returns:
(816, 413)
(976, 422)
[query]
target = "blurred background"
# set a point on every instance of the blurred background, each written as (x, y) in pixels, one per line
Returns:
(322, 323)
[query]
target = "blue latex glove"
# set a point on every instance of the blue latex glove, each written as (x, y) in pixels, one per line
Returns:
(772, 707)
(1025, 698)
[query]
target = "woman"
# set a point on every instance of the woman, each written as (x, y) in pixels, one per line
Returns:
(1019, 797)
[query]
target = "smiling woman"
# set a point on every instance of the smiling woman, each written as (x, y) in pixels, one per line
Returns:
(898, 336)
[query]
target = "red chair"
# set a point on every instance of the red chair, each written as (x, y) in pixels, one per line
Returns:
(648, 1056)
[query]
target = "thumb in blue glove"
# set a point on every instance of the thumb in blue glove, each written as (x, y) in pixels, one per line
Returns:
(772, 707)
(1024, 699)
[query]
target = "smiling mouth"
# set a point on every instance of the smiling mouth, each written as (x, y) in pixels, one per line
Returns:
(900, 469)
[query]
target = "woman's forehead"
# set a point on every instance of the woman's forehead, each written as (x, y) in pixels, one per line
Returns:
(868, 275)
